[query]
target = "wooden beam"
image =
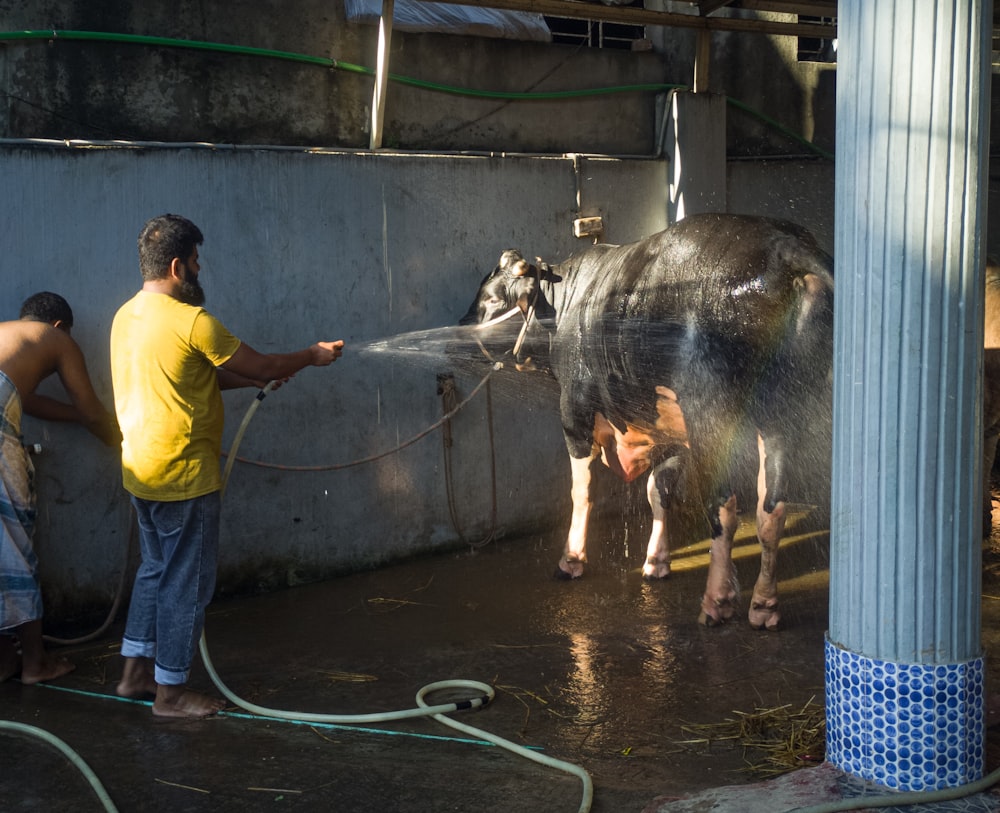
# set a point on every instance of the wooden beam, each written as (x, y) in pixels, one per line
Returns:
(628, 15)
(814, 8)
(702, 56)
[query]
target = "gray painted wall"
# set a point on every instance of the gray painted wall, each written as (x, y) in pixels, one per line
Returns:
(300, 247)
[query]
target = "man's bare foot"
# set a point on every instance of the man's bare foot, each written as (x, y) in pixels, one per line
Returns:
(50, 668)
(176, 701)
(142, 688)
(37, 664)
(10, 660)
(138, 681)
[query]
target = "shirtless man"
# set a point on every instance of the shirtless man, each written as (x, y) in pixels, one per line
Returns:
(169, 360)
(32, 348)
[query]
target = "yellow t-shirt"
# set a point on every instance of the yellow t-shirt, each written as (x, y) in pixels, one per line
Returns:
(163, 359)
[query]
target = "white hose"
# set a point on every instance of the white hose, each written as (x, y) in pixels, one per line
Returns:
(69, 753)
(916, 797)
(477, 702)
(238, 437)
(542, 759)
(484, 696)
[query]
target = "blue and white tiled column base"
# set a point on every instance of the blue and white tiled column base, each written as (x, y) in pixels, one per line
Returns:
(909, 727)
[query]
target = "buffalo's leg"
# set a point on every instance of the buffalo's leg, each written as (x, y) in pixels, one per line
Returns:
(709, 428)
(770, 528)
(575, 553)
(718, 604)
(712, 429)
(657, 565)
(664, 488)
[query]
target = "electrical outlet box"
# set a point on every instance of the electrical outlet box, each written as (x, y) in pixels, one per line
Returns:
(588, 227)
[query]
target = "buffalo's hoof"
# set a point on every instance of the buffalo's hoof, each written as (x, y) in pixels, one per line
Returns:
(569, 568)
(715, 613)
(765, 616)
(654, 570)
(707, 620)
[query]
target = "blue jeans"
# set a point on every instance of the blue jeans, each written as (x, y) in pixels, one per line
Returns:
(179, 542)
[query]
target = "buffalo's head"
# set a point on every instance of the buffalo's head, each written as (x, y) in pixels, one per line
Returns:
(508, 302)
(512, 284)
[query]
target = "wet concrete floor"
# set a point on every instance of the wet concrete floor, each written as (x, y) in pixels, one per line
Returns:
(608, 673)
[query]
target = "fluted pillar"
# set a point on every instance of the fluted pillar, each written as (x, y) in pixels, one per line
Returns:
(904, 690)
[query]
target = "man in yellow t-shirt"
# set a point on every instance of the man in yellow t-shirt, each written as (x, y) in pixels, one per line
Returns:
(170, 359)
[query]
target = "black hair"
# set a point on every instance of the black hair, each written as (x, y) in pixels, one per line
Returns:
(46, 306)
(163, 239)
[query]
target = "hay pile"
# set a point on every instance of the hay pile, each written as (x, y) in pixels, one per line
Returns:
(774, 741)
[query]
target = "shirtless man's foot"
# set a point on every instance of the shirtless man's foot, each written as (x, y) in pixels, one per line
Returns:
(37, 665)
(179, 701)
(49, 668)
(10, 660)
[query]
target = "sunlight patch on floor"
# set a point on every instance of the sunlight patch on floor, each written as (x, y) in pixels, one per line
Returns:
(696, 556)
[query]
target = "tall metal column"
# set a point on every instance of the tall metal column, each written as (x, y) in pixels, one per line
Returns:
(904, 688)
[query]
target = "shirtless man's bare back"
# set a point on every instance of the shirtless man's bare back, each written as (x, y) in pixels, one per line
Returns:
(31, 349)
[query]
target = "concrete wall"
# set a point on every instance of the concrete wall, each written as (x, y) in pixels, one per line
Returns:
(106, 89)
(796, 190)
(103, 89)
(299, 247)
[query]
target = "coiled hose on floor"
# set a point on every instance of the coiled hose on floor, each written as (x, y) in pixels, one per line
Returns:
(483, 693)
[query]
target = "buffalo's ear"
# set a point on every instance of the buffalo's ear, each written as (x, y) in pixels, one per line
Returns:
(545, 271)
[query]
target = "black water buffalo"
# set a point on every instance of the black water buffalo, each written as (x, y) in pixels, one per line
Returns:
(662, 350)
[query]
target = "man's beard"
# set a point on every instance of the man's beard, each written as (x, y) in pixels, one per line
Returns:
(191, 292)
